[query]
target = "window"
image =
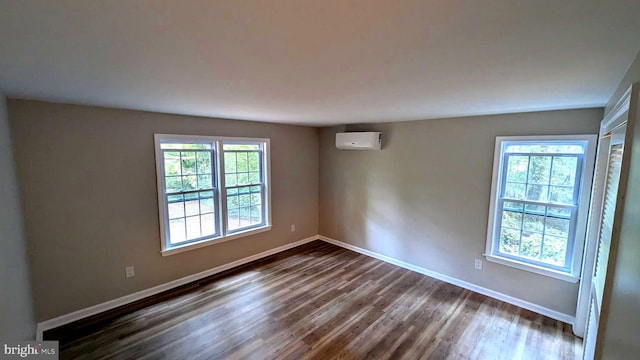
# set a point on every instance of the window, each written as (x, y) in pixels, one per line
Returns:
(539, 203)
(210, 189)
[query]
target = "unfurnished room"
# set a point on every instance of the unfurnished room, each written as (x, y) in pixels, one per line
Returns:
(339, 179)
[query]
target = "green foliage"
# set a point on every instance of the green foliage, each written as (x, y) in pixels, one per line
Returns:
(183, 146)
(229, 162)
(541, 178)
(188, 162)
(242, 168)
(190, 167)
(530, 245)
(517, 169)
(243, 179)
(187, 170)
(539, 170)
(509, 241)
(535, 226)
(231, 179)
(564, 170)
(554, 250)
(241, 147)
(241, 162)
(254, 161)
(511, 219)
(533, 223)
(515, 191)
(244, 200)
(557, 227)
(545, 149)
(204, 162)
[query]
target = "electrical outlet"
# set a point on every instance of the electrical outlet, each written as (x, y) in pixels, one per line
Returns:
(129, 271)
(293, 227)
(478, 264)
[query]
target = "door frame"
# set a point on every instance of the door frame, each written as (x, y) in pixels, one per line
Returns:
(616, 118)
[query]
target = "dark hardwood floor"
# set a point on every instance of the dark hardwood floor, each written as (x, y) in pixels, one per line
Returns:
(318, 301)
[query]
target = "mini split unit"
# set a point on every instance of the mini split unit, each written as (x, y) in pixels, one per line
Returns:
(359, 141)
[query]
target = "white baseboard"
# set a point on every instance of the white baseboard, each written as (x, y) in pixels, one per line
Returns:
(569, 319)
(127, 299)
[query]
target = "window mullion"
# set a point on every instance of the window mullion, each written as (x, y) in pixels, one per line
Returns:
(263, 207)
(198, 186)
(222, 192)
(549, 179)
(184, 200)
(521, 228)
(526, 187)
(544, 224)
(524, 206)
(213, 162)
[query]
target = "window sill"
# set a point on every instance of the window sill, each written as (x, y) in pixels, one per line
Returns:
(533, 268)
(206, 242)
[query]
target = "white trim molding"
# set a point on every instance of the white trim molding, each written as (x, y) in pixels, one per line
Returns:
(532, 268)
(127, 299)
(208, 242)
(579, 205)
(214, 147)
(566, 318)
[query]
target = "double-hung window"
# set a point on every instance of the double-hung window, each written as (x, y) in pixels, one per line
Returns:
(210, 189)
(539, 203)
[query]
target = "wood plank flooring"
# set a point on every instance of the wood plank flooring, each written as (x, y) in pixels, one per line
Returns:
(318, 301)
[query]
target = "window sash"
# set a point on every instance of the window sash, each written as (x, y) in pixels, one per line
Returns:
(262, 185)
(200, 238)
(252, 226)
(213, 189)
(214, 175)
(569, 250)
(576, 185)
(570, 234)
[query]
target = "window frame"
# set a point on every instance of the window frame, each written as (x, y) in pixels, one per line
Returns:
(577, 227)
(219, 190)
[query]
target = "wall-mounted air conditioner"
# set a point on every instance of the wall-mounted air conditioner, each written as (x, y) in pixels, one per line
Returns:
(359, 141)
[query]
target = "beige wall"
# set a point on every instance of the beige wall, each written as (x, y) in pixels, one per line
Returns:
(16, 308)
(424, 199)
(622, 325)
(87, 178)
(632, 75)
(88, 186)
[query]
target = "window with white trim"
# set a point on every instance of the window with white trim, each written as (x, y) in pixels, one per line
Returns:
(211, 189)
(539, 203)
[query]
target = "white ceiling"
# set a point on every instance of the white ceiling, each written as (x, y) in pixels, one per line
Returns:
(319, 62)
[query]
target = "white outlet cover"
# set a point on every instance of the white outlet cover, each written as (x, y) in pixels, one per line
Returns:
(293, 228)
(129, 271)
(478, 264)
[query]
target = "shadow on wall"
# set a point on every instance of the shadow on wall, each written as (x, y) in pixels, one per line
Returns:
(379, 207)
(383, 205)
